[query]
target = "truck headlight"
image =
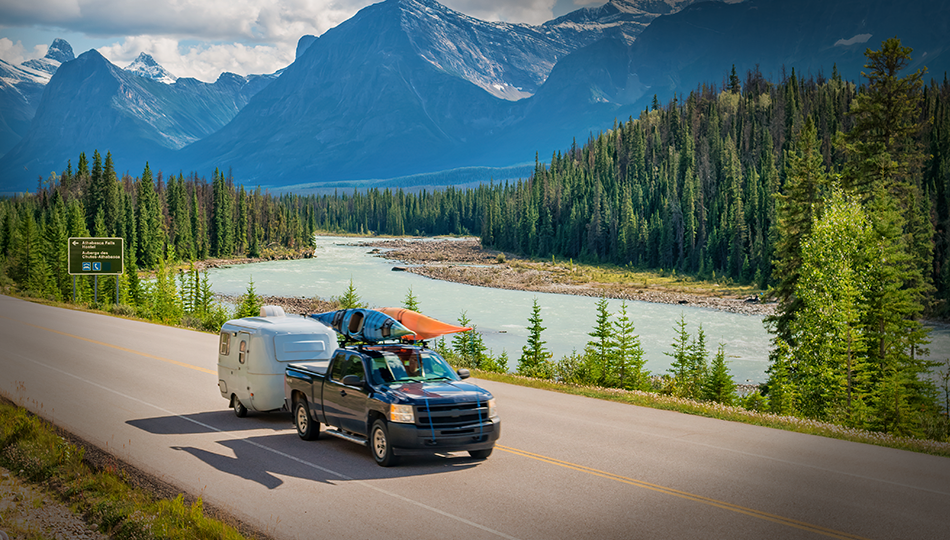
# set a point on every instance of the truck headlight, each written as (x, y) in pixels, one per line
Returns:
(402, 414)
(492, 410)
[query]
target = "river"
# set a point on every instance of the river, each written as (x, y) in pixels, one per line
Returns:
(501, 316)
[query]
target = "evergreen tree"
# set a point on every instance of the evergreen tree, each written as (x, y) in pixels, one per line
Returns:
(350, 298)
(412, 303)
(799, 203)
(627, 353)
(150, 223)
(534, 361)
(681, 367)
(719, 386)
(883, 170)
(251, 303)
(598, 350)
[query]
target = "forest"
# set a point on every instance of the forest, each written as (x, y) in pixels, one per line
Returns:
(831, 196)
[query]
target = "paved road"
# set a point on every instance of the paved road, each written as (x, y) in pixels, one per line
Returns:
(566, 467)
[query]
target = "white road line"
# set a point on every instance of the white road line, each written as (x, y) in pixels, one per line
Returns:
(281, 454)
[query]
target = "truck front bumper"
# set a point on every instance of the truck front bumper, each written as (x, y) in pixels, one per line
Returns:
(410, 439)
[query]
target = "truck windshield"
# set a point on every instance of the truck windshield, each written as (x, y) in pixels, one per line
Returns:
(410, 365)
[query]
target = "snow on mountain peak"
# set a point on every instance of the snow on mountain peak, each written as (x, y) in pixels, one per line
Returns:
(147, 67)
(59, 51)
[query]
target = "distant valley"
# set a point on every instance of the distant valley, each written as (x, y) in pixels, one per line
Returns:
(412, 90)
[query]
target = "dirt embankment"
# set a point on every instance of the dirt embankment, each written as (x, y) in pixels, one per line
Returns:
(465, 261)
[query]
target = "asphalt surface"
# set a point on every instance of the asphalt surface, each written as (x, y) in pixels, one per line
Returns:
(565, 467)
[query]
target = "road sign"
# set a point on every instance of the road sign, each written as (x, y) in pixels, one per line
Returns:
(96, 256)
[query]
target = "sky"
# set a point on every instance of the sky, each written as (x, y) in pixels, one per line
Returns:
(203, 38)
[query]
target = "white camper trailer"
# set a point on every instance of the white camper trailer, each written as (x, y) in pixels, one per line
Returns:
(253, 352)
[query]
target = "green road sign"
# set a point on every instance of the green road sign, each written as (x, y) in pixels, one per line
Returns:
(96, 256)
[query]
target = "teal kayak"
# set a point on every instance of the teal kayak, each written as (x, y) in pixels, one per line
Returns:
(363, 324)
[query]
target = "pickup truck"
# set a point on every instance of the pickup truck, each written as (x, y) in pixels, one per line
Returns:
(396, 399)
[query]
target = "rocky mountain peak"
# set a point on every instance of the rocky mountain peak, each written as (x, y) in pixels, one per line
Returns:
(147, 67)
(61, 51)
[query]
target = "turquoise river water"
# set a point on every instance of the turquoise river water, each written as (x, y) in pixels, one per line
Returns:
(501, 316)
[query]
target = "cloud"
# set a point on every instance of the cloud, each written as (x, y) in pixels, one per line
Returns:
(202, 38)
(526, 11)
(203, 61)
(264, 21)
(16, 53)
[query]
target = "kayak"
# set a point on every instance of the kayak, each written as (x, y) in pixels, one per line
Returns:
(362, 324)
(422, 326)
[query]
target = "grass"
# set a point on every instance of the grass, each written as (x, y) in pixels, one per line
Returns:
(33, 450)
(725, 412)
(574, 273)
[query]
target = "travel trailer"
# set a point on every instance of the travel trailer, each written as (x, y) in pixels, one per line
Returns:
(253, 353)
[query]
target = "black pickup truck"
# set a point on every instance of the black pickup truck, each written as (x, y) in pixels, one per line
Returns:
(396, 399)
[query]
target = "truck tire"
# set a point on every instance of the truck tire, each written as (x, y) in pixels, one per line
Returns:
(379, 445)
(307, 429)
(480, 454)
(239, 409)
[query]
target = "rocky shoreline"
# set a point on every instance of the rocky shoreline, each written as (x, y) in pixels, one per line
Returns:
(465, 261)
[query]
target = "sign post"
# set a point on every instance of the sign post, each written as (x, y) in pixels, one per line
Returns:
(96, 257)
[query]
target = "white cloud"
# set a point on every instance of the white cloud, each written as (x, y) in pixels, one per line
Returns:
(202, 38)
(519, 11)
(204, 61)
(16, 53)
(209, 20)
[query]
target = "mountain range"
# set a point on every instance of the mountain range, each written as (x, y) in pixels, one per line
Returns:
(411, 87)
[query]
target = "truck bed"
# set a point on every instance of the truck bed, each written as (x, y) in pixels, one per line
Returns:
(315, 366)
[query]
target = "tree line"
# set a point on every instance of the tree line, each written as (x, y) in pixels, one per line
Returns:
(802, 186)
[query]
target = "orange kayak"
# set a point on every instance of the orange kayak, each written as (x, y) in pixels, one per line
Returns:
(423, 326)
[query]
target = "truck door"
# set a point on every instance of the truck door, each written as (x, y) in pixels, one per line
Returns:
(347, 403)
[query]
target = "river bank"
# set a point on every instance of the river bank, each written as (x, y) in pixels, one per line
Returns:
(466, 261)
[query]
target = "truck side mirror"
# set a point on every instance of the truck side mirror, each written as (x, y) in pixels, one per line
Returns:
(352, 380)
(464, 373)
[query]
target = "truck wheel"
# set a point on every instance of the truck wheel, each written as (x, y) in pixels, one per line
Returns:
(239, 409)
(307, 429)
(379, 445)
(480, 454)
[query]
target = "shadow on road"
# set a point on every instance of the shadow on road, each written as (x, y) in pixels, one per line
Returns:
(329, 460)
(212, 421)
(264, 459)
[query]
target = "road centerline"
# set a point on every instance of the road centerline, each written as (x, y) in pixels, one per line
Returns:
(802, 525)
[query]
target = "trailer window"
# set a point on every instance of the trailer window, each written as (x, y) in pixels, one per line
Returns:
(225, 346)
(242, 354)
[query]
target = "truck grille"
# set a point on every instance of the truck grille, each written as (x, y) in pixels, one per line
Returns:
(452, 418)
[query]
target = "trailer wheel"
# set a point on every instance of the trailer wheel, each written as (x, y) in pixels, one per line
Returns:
(380, 447)
(307, 429)
(239, 409)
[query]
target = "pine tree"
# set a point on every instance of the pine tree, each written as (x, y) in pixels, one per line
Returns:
(798, 204)
(681, 368)
(251, 303)
(627, 353)
(599, 349)
(534, 361)
(411, 302)
(350, 298)
(719, 386)
(883, 170)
